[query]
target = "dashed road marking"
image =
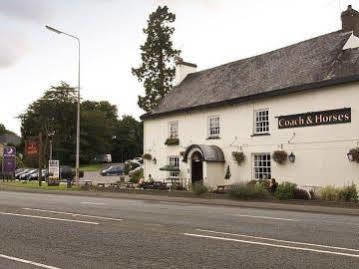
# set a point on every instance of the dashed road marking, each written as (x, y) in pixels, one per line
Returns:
(273, 245)
(28, 262)
(279, 240)
(264, 217)
(48, 218)
(72, 214)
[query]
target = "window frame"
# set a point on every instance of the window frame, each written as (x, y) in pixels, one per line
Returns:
(170, 124)
(174, 174)
(267, 169)
(255, 130)
(217, 135)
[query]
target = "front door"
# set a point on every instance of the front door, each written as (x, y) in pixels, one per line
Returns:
(197, 168)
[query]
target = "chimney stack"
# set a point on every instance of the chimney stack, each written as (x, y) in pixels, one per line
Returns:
(182, 70)
(350, 20)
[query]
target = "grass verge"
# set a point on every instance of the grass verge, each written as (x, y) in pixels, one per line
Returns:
(35, 185)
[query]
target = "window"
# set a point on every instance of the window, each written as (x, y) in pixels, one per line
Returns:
(261, 121)
(262, 166)
(174, 161)
(173, 129)
(213, 126)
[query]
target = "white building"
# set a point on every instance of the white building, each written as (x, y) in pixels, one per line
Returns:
(302, 99)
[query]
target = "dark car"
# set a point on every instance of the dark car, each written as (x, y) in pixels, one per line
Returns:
(112, 171)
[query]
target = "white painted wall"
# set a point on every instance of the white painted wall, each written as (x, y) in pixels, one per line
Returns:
(320, 150)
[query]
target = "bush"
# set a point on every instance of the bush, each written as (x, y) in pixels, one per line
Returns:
(285, 191)
(147, 156)
(248, 191)
(280, 156)
(136, 176)
(348, 193)
(199, 188)
(239, 157)
(329, 193)
(301, 194)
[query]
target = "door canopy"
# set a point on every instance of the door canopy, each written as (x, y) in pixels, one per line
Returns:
(209, 153)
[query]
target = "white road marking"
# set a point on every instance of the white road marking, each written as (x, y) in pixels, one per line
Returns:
(48, 218)
(264, 217)
(72, 214)
(273, 245)
(92, 203)
(28, 262)
(279, 240)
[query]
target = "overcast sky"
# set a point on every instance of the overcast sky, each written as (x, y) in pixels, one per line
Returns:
(209, 32)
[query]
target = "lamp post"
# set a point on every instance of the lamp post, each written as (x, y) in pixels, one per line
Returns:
(78, 101)
(51, 135)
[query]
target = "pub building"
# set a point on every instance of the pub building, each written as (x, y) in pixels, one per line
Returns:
(229, 124)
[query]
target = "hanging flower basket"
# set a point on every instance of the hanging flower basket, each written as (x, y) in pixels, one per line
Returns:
(354, 154)
(182, 153)
(239, 157)
(172, 142)
(280, 156)
(147, 156)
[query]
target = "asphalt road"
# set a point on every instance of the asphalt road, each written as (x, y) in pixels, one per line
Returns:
(54, 231)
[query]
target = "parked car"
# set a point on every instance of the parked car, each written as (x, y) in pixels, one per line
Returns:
(25, 176)
(112, 171)
(138, 159)
(35, 176)
(19, 173)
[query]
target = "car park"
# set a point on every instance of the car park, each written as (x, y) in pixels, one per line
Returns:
(25, 176)
(21, 172)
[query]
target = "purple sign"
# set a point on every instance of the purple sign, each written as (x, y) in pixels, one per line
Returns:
(9, 160)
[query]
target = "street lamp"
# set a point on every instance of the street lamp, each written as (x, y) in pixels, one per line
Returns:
(51, 135)
(78, 102)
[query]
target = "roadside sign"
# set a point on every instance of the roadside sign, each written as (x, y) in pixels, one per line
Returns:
(54, 172)
(32, 147)
(9, 160)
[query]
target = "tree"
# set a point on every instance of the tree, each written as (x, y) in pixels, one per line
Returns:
(157, 70)
(2, 129)
(128, 142)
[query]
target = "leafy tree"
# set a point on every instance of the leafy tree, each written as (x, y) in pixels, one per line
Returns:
(157, 70)
(2, 129)
(98, 123)
(128, 139)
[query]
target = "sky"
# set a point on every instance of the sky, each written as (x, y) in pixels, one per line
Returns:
(209, 33)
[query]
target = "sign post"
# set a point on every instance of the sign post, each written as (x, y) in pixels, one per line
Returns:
(54, 172)
(9, 161)
(33, 149)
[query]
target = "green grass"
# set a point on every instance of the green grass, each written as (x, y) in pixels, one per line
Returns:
(91, 167)
(35, 185)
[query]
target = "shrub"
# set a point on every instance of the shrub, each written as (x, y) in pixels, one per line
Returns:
(199, 188)
(239, 157)
(172, 141)
(301, 194)
(285, 191)
(127, 168)
(355, 153)
(280, 156)
(147, 156)
(136, 176)
(248, 191)
(348, 193)
(329, 193)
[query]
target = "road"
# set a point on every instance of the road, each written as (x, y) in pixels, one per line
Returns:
(55, 231)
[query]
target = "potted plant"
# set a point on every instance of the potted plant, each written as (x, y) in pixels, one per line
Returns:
(280, 156)
(239, 157)
(147, 156)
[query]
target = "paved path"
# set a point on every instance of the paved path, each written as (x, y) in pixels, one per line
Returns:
(56, 231)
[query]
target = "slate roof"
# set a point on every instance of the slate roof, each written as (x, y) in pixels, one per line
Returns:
(306, 65)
